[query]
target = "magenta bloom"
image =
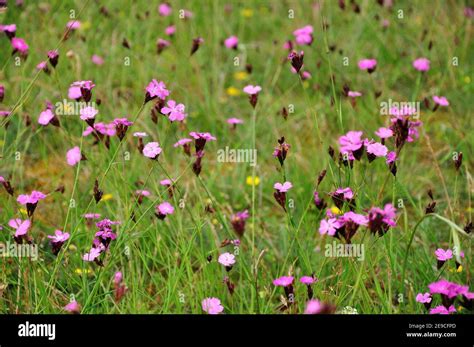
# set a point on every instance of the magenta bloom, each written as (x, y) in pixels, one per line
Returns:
(283, 188)
(231, 42)
(164, 209)
(252, 90)
(88, 113)
(238, 222)
(443, 255)
(376, 149)
(234, 121)
(356, 218)
(441, 100)
(353, 94)
(21, 227)
(92, 216)
(200, 140)
(152, 150)
(313, 307)
(42, 66)
(443, 310)
(384, 133)
(329, 226)
(97, 59)
(367, 64)
(170, 30)
(46, 117)
(33, 198)
(9, 30)
(284, 281)
(93, 254)
(423, 298)
(164, 9)
(73, 25)
(182, 142)
(73, 156)
(174, 111)
(391, 157)
(156, 89)
(421, 64)
(20, 46)
(57, 240)
(212, 306)
(227, 259)
(351, 142)
(308, 280)
(73, 307)
(304, 35)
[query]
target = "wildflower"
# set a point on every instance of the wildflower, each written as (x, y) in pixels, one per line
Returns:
(156, 89)
(384, 133)
(296, 60)
(234, 121)
(186, 145)
(424, 299)
(163, 209)
(170, 30)
(318, 202)
(375, 150)
(232, 91)
(119, 286)
(174, 111)
(21, 230)
(46, 117)
(287, 283)
(351, 221)
(252, 180)
(43, 66)
(20, 46)
(368, 64)
(212, 306)
(121, 127)
(97, 59)
(73, 25)
(57, 240)
(443, 310)
(200, 139)
(380, 220)
(164, 9)
(442, 256)
(73, 307)
(73, 156)
(308, 281)
(353, 94)
(232, 42)
(441, 100)
(351, 144)
(31, 201)
(316, 307)
(421, 64)
(9, 30)
(330, 226)
(53, 57)
(304, 35)
(341, 195)
(281, 150)
(141, 194)
(227, 260)
(253, 91)
(229, 284)
(152, 150)
(168, 184)
(196, 44)
(280, 192)
(161, 44)
(238, 222)
(81, 89)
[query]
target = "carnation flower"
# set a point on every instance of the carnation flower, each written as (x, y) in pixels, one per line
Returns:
(212, 306)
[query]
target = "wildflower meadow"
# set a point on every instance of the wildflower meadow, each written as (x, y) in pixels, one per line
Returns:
(236, 157)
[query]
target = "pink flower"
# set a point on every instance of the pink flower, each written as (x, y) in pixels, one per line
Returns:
(182, 142)
(443, 310)
(156, 89)
(304, 35)
(73, 307)
(234, 121)
(57, 240)
(74, 92)
(283, 188)
(73, 156)
(354, 94)
(283, 281)
(45, 117)
(212, 306)
(142, 192)
(351, 142)
(166, 182)
(33, 198)
(329, 226)
(441, 100)
(308, 280)
(391, 157)
(170, 30)
(313, 306)
(384, 133)
(174, 111)
(97, 60)
(377, 149)
(356, 218)
(21, 226)
(43, 66)
(164, 209)
(367, 64)
(73, 25)
(231, 42)
(423, 298)
(252, 90)
(443, 255)
(19, 45)
(152, 150)
(421, 64)
(92, 216)
(226, 259)
(88, 113)
(164, 9)
(93, 254)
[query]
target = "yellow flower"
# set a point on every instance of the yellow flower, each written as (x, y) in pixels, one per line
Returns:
(335, 210)
(247, 12)
(107, 197)
(241, 75)
(23, 211)
(253, 181)
(232, 91)
(215, 221)
(459, 269)
(79, 271)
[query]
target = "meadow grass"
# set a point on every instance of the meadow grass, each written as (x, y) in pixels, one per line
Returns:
(165, 263)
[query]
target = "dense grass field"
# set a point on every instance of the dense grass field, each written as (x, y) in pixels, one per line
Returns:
(174, 260)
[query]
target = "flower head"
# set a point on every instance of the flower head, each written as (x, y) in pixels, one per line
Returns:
(174, 111)
(156, 89)
(283, 188)
(212, 306)
(367, 64)
(226, 259)
(441, 100)
(73, 156)
(443, 255)
(423, 298)
(152, 150)
(284, 281)
(421, 64)
(232, 42)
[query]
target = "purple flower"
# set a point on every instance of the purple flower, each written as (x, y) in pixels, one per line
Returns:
(156, 89)
(308, 280)
(57, 240)
(384, 133)
(443, 255)
(212, 306)
(174, 111)
(232, 42)
(423, 298)
(329, 226)
(152, 150)
(164, 209)
(441, 100)
(367, 64)
(283, 188)
(443, 310)
(284, 281)
(421, 64)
